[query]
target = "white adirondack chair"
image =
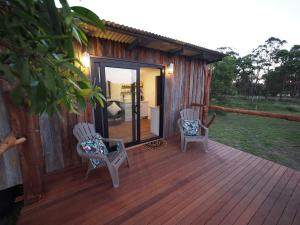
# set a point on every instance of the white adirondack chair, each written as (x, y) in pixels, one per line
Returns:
(192, 114)
(113, 160)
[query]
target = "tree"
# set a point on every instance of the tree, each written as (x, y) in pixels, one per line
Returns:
(293, 66)
(274, 82)
(224, 73)
(285, 78)
(245, 75)
(37, 57)
(264, 59)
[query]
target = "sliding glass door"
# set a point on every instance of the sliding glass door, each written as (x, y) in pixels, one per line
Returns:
(133, 110)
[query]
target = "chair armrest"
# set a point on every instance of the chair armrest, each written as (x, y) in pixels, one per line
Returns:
(180, 127)
(89, 155)
(113, 140)
(117, 141)
(205, 129)
(203, 126)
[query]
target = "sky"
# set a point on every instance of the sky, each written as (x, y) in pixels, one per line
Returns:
(240, 24)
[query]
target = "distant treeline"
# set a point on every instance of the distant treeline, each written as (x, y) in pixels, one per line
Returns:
(268, 70)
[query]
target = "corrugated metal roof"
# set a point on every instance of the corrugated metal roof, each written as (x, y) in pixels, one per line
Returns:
(125, 34)
(110, 35)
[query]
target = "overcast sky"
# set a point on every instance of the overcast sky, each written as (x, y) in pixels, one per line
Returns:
(240, 24)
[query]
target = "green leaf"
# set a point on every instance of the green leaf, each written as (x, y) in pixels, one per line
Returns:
(53, 16)
(83, 84)
(74, 69)
(88, 16)
(82, 35)
(86, 92)
(17, 96)
(74, 84)
(76, 35)
(68, 20)
(99, 99)
(6, 73)
(81, 102)
(69, 47)
(34, 83)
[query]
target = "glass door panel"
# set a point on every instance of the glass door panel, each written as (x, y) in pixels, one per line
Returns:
(150, 91)
(122, 103)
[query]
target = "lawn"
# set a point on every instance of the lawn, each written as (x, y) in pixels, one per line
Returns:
(274, 139)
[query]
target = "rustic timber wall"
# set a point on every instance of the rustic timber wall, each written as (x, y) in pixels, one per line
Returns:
(10, 172)
(58, 141)
(181, 89)
(51, 144)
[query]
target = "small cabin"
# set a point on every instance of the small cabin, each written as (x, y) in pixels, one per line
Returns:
(146, 78)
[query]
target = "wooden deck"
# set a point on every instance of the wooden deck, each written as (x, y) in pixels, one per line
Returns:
(165, 186)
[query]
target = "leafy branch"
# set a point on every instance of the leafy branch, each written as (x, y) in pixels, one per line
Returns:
(37, 56)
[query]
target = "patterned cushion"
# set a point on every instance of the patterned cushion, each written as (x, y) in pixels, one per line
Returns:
(190, 127)
(113, 109)
(96, 146)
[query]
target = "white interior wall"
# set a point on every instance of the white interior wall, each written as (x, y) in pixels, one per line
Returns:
(147, 76)
(115, 91)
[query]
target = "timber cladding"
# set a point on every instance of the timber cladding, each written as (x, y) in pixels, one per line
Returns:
(55, 150)
(182, 88)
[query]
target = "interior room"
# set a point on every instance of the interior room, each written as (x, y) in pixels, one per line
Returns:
(122, 100)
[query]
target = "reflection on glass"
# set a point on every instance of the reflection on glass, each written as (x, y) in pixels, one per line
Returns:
(121, 98)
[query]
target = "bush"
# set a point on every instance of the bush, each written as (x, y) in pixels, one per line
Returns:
(292, 108)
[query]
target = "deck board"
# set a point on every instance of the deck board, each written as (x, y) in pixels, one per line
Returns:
(282, 201)
(166, 186)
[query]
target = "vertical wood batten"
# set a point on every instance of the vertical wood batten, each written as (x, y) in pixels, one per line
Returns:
(51, 142)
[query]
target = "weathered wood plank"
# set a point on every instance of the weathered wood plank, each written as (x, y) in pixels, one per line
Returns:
(222, 186)
(10, 174)
(52, 143)
(31, 155)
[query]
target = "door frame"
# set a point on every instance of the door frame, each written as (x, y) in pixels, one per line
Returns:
(101, 122)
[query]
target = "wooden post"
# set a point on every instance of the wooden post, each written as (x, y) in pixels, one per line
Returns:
(207, 82)
(26, 125)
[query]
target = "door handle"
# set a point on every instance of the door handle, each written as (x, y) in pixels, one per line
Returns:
(135, 109)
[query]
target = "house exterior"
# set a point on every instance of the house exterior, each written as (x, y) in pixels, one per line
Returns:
(147, 109)
(186, 84)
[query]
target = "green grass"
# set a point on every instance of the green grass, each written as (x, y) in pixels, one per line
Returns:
(286, 107)
(273, 139)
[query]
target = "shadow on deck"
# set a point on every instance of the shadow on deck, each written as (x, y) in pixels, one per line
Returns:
(166, 186)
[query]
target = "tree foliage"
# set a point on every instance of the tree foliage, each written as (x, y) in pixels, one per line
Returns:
(245, 75)
(224, 73)
(37, 56)
(268, 70)
(285, 78)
